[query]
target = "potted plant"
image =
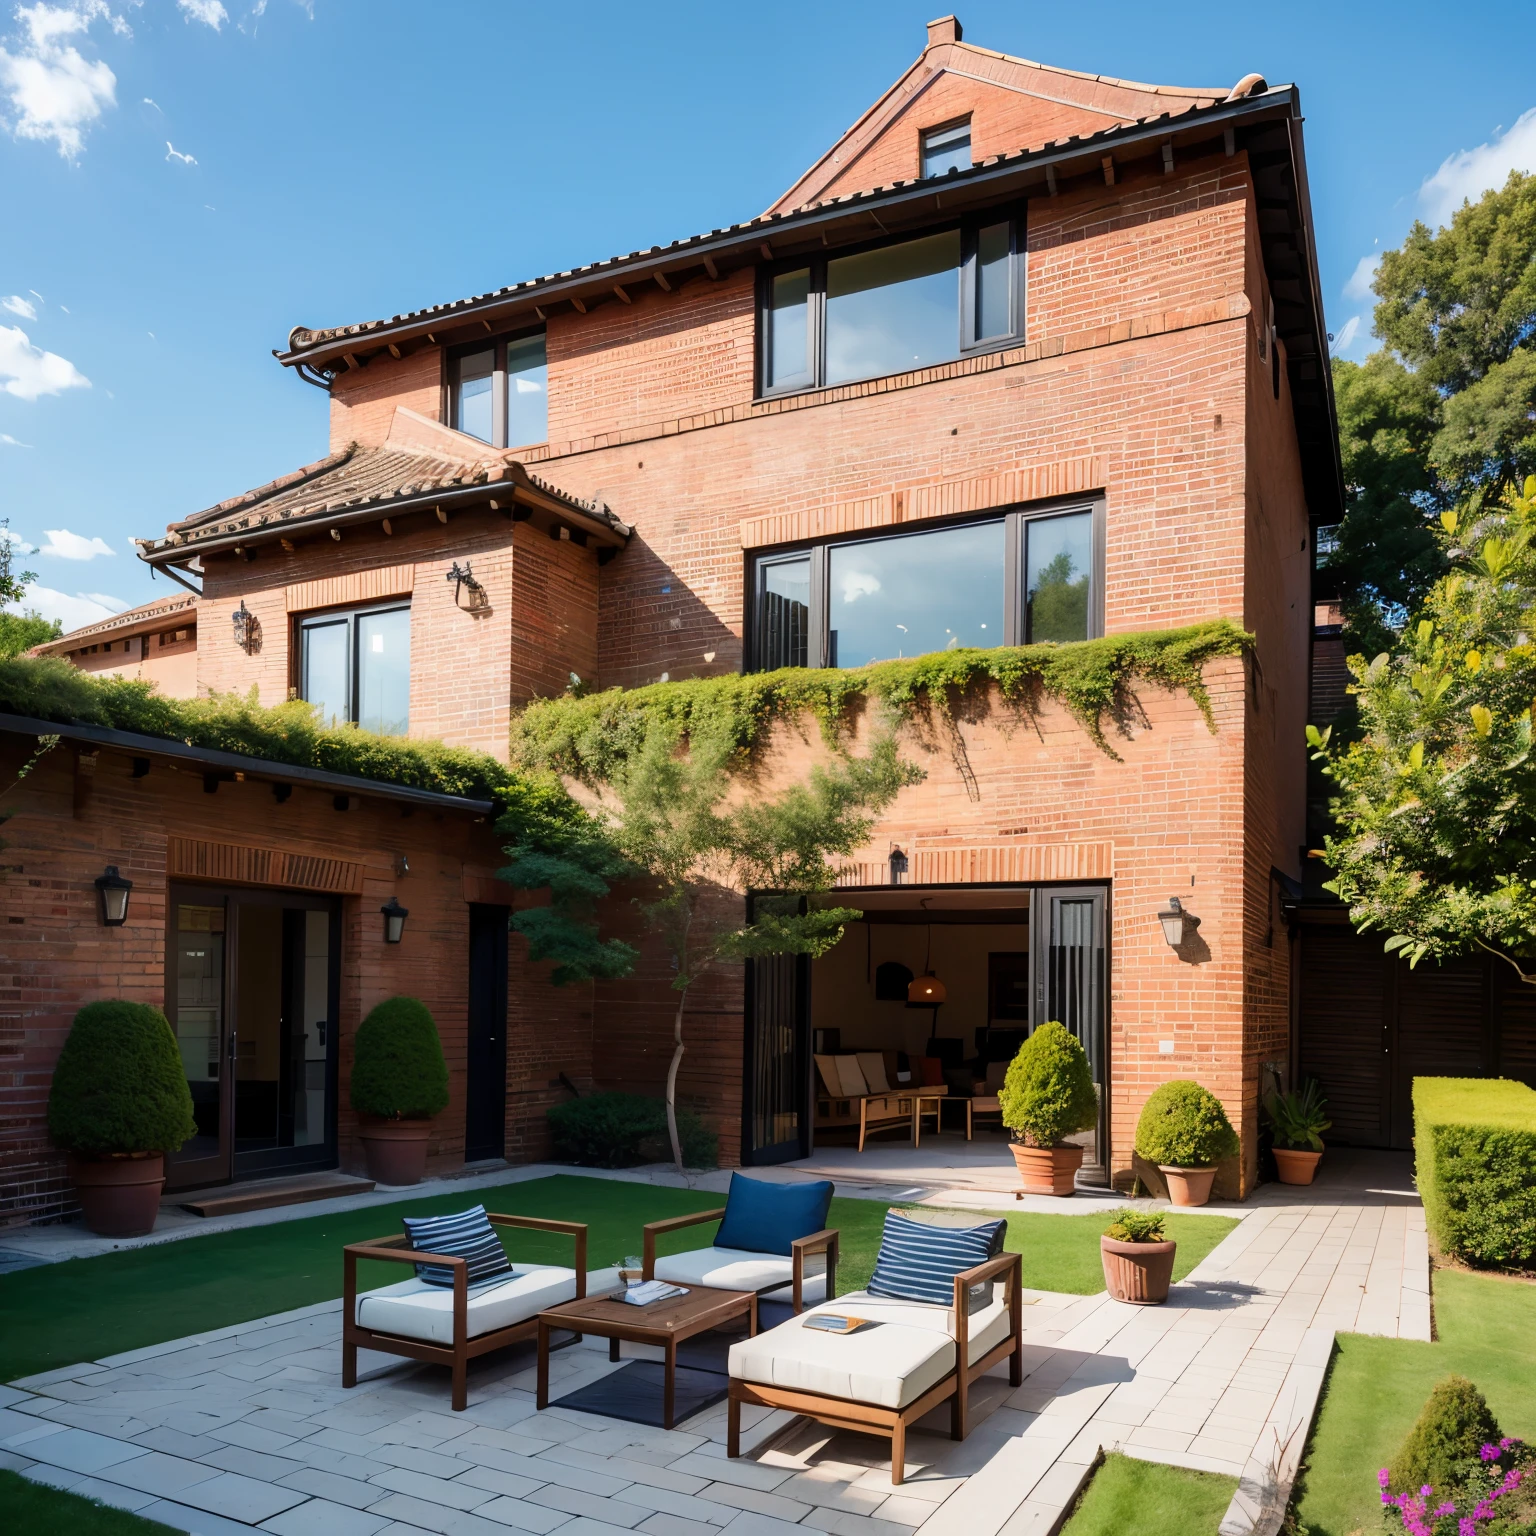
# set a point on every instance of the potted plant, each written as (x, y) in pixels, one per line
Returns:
(1184, 1130)
(1138, 1257)
(1047, 1095)
(1299, 1123)
(119, 1102)
(399, 1081)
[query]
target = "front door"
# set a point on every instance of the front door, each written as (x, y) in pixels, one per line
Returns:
(252, 986)
(485, 1125)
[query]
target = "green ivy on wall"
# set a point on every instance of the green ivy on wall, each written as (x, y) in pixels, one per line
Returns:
(588, 736)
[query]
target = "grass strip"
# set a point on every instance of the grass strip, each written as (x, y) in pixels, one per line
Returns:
(1151, 1500)
(29, 1506)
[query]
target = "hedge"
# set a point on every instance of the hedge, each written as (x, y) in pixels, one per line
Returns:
(621, 1130)
(1475, 1155)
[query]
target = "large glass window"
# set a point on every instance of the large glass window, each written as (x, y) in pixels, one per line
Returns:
(947, 149)
(892, 307)
(1014, 578)
(355, 668)
(500, 393)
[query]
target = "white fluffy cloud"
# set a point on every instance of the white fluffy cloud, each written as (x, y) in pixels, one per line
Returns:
(1359, 285)
(16, 541)
(210, 12)
(64, 545)
(1471, 172)
(54, 92)
(70, 609)
(19, 306)
(11, 442)
(28, 372)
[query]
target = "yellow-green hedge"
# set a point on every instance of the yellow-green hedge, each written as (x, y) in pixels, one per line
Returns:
(1475, 1152)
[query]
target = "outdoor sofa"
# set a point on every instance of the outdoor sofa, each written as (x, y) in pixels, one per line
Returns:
(856, 1092)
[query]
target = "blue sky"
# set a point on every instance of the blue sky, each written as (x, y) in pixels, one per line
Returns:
(182, 181)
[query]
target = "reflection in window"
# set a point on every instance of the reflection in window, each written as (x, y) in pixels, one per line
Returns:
(994, 307)
(356, 668)
(527, 392)
(783, 613)
(893, 308)
(500, 393)
(1058, 559)
(787, 330)
(914, 594)
(472, 398)
(947, 149)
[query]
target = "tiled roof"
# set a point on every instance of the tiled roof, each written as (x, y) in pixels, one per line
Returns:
(146, 615)
(303, 339)
(357, 479)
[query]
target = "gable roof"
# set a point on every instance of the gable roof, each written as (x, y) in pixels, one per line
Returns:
(421, 465)
(147, 617)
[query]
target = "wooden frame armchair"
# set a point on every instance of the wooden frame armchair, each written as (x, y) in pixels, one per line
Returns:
(825, 1242)
(893, 1422)
(396, 1249)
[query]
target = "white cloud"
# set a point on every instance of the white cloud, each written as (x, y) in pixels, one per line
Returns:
(27, 371)
(70, 609)
(64, 545)
(149, 101)
(172, 153)
(19, 306)
(210, 12)
(1345, 337)
(11, 442)
(16, 541)
(1471, 172)
(1359, 285)
(857, 584)
(55, 93)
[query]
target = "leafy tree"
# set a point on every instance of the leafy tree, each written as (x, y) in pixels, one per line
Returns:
(1445, 414)
(1435, 810)
(19, 632)
(676, 826)
(1058, 607)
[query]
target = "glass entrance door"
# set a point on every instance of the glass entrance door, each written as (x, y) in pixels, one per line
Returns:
(252, 994)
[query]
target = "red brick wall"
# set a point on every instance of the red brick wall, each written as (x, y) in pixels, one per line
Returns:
(363, 400)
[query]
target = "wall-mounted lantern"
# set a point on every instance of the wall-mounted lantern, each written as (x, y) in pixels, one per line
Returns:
(464, 576)
(1177, 923)
(899, 867)
(394, 920)
(242, 619)
(113, 891)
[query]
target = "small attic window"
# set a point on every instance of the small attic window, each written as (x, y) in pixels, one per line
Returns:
(947, 149)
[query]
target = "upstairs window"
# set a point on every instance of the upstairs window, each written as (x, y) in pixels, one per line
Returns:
(355, 667)
(500, 392)
(892, 307)
(946, 149)
(1015, 578)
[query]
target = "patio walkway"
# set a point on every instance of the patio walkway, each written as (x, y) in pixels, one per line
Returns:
(249, 1426)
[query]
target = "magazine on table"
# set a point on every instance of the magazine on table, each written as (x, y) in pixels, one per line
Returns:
(647, 1291)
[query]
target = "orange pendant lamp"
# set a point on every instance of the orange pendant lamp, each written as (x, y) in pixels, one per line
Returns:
(927, 990)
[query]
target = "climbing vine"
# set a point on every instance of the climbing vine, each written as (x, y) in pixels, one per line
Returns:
(590, 737)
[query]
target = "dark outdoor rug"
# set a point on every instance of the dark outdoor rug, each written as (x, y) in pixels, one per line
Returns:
(634, 1391)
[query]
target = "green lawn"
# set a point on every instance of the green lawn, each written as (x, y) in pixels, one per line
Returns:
(29, 1506)
(1151, 1500)
(83, 1309)
(1376, 1387)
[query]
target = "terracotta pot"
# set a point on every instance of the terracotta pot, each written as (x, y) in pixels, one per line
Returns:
(396, 1149)
(1188, 1186)
(1296, 1166)
(1139, 1273)
(119, 1196)
(1047, 1170)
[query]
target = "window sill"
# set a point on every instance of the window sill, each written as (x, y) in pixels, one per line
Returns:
(985, 349)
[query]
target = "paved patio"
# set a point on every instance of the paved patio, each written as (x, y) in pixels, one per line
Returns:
(249, 1426)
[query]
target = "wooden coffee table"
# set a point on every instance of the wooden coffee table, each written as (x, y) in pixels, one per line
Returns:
(665, 1323)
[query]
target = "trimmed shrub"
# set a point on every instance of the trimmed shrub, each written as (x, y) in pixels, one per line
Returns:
(1184, 1126)
(1048, 1092)
(1443, 1446)
(398, 1072)
(119, 1084)
(619, 1130)
(1475, 1156)
(1133, 1226)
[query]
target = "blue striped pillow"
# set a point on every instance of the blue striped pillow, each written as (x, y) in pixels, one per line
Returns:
(468, 1235)
(919, 1262)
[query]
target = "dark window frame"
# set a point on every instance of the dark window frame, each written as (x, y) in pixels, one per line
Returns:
(497, 347)
(969, 344)
(924, 134)
(1015, 519)
(350, 614)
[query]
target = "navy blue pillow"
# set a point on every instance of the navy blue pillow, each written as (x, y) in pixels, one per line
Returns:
(467, 1235)
(766, 1218)
(919, 1261)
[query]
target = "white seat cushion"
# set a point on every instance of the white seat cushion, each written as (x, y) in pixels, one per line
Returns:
(850, 1077)
(739, 1269)
(988, 1325)
(416, 1310)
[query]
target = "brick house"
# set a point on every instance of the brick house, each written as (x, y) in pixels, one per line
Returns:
(1028, 355)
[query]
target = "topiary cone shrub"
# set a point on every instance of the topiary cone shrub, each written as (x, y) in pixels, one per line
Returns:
(399, 1080)
(1454, 1425)
(118, 1103)
(1184, 1130)
(1048, 1094)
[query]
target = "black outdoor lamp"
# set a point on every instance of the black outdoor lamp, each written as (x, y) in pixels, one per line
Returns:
(394, 920)
(899, 867)
(1176, 922)
(241, 619)
(113, 891)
